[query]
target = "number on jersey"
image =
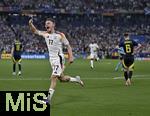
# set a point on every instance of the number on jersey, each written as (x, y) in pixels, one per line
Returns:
(50, 42)
(128, 48)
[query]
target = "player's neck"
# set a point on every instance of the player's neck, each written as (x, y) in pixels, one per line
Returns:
(127, 38)
(50, 32)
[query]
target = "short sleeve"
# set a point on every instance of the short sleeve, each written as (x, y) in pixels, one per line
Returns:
(64, 39)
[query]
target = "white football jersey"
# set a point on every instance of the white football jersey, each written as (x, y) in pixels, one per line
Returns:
(93, 48)
(55, 43)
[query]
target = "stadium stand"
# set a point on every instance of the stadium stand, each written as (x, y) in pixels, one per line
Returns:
(102, 20)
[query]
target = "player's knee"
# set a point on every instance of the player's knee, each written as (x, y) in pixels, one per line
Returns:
(131, 69)
(54, 77)
(63, 79)
(125, 69)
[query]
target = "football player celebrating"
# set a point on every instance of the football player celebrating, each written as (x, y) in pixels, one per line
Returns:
(55, 41)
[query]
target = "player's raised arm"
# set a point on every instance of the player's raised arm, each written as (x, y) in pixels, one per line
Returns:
(35, 30)
(32, 27)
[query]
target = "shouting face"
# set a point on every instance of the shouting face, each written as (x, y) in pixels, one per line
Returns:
(49, 25)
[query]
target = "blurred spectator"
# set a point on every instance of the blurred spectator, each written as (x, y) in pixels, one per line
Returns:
(79, 28)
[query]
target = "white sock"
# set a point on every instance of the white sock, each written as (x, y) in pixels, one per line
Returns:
(92, 63)
(73, 79)
(51, 91)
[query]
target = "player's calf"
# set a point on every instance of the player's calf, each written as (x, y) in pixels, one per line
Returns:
(92, 63)
(76, 79)
(63, 78)
(51, 89)
(14, 69)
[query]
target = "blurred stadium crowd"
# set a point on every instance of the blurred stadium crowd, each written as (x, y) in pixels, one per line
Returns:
(81, 21)
(76, 6)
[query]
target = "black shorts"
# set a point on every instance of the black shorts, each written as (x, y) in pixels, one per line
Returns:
(17, 58)
(128, 61)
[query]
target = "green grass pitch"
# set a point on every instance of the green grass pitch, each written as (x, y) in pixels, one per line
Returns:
(102, 95)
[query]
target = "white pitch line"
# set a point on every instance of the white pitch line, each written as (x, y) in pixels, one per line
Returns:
(43, 79)
(23, 79)
(139, 77)
(144, 77)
